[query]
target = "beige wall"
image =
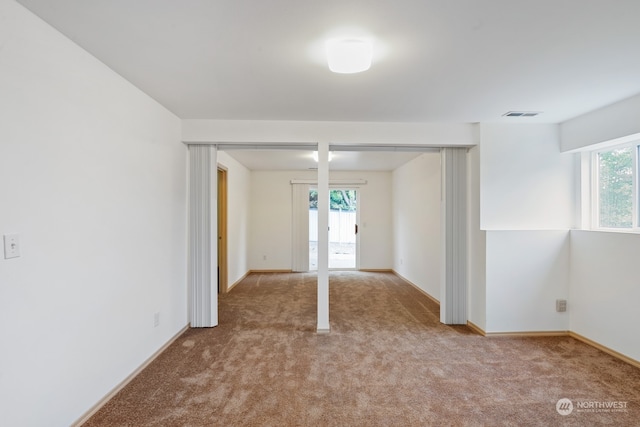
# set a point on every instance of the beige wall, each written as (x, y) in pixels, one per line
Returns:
(416, 222)
(271, 210)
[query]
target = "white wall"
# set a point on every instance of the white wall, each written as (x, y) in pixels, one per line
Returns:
(476, 244)
(93, 178)
(271, 216)
(604, 266)
(527, 188)
(604, 290)
(527, 184)
(613, 122)
(526, 272)
(238, 208)
(270, 219)
(416, 222)
(374, 205)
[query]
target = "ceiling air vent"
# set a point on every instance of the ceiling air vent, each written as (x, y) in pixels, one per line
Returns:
(521, 113)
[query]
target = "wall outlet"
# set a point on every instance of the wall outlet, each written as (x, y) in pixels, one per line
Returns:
(561, 305)
(156, 320)
(11, 246)
(264, 257)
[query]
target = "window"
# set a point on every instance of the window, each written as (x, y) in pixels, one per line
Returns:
(616, 187)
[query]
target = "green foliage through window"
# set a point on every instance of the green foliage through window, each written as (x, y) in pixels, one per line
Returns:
(615, 188)
(339, 200)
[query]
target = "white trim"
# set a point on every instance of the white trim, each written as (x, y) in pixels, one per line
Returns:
(332, 182)
(586, 205)
(594, 176)
(636, 190)
(381, 147)
(230, 146)
(357, 236)
(272, 145)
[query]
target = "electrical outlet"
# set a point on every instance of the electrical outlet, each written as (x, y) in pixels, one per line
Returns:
(156, 320)
(561, 305)
(11, 246)
(264, 257)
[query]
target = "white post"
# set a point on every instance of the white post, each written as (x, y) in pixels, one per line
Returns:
(323, 238)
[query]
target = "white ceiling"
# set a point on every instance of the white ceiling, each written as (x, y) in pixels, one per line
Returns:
(436, 60)
(456, 61)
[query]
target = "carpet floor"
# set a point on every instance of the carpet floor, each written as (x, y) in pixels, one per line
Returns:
(388, 361)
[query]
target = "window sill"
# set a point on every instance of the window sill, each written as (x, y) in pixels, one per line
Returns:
(613, 230)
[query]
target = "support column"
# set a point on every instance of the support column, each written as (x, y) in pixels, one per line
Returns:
(453, 291)
(203, 240)
(323, 238)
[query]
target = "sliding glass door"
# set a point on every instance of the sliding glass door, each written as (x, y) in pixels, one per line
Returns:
(343, 229)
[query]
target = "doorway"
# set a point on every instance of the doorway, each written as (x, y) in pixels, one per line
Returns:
(343, 229)
(222, 230)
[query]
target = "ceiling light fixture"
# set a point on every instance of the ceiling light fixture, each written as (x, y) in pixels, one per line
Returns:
(348, 56)
(315, 156)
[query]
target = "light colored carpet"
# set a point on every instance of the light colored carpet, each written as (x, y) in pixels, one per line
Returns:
(387, 362)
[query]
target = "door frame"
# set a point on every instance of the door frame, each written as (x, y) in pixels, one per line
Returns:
(358, 191)
(223, 266)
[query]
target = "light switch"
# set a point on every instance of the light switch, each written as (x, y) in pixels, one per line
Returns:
(11, 246)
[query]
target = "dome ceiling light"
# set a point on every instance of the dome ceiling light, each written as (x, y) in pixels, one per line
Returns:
(348, 56)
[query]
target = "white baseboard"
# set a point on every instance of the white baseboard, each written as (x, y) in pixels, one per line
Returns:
(244, 276)
(571, 334)
(528, 334)
(431, 297)
(95, 408)
(607, 350)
